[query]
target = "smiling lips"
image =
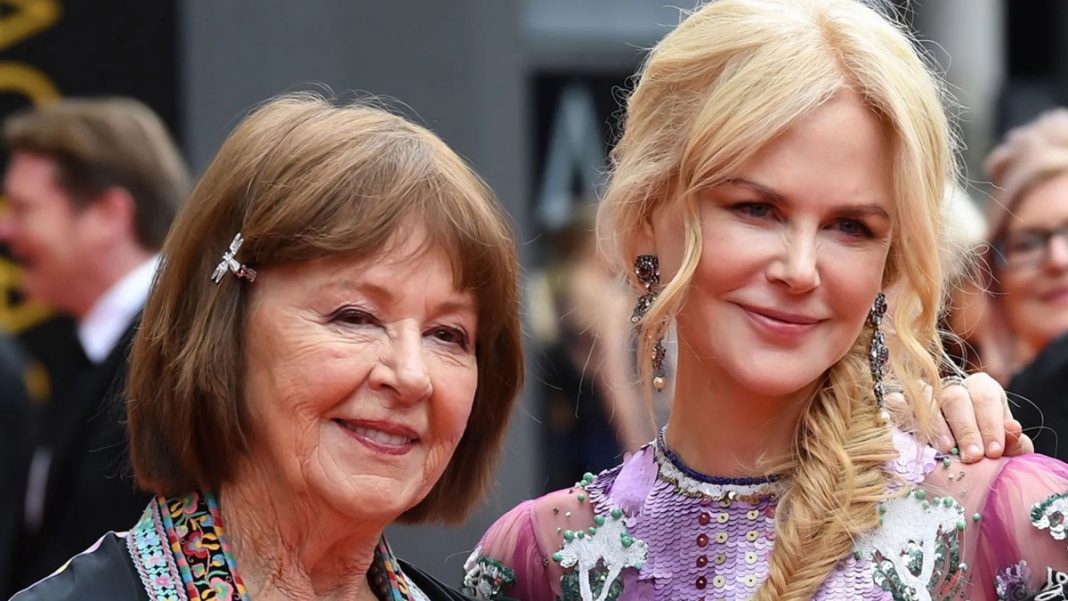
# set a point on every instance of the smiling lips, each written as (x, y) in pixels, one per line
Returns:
(383, 437)
(780, 323)
(1056, 295)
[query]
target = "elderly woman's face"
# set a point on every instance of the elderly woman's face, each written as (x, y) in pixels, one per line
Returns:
(360, 377)
(793, 253)
(1034, 279)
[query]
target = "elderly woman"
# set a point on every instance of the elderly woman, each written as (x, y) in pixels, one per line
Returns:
(313, 365)
(1028, 221)
(1027, 315)
(783, 163)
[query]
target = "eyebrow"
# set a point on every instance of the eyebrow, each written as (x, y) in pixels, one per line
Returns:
(387, 295)
(856, 210)
(1036, 229)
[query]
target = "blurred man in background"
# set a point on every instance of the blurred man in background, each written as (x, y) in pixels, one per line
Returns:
(92, 187)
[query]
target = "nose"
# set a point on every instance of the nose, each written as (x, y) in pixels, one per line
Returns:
(796, 266)
(402, 368)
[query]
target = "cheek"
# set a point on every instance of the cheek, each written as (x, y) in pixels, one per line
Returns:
(452, 407)
(1016, 284)
(293, 381)
(851, 284)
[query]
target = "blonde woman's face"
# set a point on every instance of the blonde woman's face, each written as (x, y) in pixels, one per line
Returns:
(1035, 278)
(794, 249)
(361, 376)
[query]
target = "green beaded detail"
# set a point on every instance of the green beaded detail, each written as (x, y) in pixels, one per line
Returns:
(1050, 514)
(593, 557)
(570, 589)
(933, 564)
(581, 497)
(488, 579)
(569, 535)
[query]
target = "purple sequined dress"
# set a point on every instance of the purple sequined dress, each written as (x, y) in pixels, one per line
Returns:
(651, 529)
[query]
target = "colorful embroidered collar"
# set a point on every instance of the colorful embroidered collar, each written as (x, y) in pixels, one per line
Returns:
(180, 551)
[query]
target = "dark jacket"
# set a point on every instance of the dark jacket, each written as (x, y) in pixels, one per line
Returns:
(107, 573)
(89, 488)
(1039, 396)
(14, 406)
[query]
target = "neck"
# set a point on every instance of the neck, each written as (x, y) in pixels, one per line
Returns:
(100, 275)
(292, 547)
(719, 427)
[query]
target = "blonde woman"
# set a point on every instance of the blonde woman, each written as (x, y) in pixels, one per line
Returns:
(783, 162)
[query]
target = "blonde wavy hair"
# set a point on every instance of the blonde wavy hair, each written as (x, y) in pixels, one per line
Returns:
(729, 79)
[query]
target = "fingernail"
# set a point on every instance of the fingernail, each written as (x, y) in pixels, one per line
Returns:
(993, 448)
(973, 451)
(945, 442)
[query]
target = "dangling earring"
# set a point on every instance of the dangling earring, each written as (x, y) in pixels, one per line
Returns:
(647, 269)
(878, 354)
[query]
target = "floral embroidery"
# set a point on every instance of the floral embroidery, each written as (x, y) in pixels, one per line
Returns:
(597, 556)
(916, 551)
(485, 578)
(571, 587)
(1055, 588)
(158, 573)
(195, 535)
(1049, 514)
(180, 551)
(391, 582)
(1010, 583)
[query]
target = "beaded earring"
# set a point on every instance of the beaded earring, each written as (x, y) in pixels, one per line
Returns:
(647, 270)
(878, 354)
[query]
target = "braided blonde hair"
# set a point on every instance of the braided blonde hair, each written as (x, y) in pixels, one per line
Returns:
(725, 82)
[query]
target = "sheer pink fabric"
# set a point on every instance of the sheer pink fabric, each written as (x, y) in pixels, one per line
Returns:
(525, 538)
(1001, 492)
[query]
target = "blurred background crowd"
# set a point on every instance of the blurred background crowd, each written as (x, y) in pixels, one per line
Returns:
(111, 109)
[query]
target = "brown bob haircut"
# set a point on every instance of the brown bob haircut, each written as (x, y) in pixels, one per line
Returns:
(302, 179)
(101, 143)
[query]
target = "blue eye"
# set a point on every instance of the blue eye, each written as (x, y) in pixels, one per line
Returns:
(756, 210)
(855, 228)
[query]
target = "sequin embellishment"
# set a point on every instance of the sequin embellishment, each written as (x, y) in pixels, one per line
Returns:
(1049, 514)
(916, 551)
(485, 578)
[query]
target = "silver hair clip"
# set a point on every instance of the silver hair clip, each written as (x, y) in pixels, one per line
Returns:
(229, 263)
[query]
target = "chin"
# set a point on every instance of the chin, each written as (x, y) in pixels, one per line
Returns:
(770, 378)
(776, 387)
(371, 498)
